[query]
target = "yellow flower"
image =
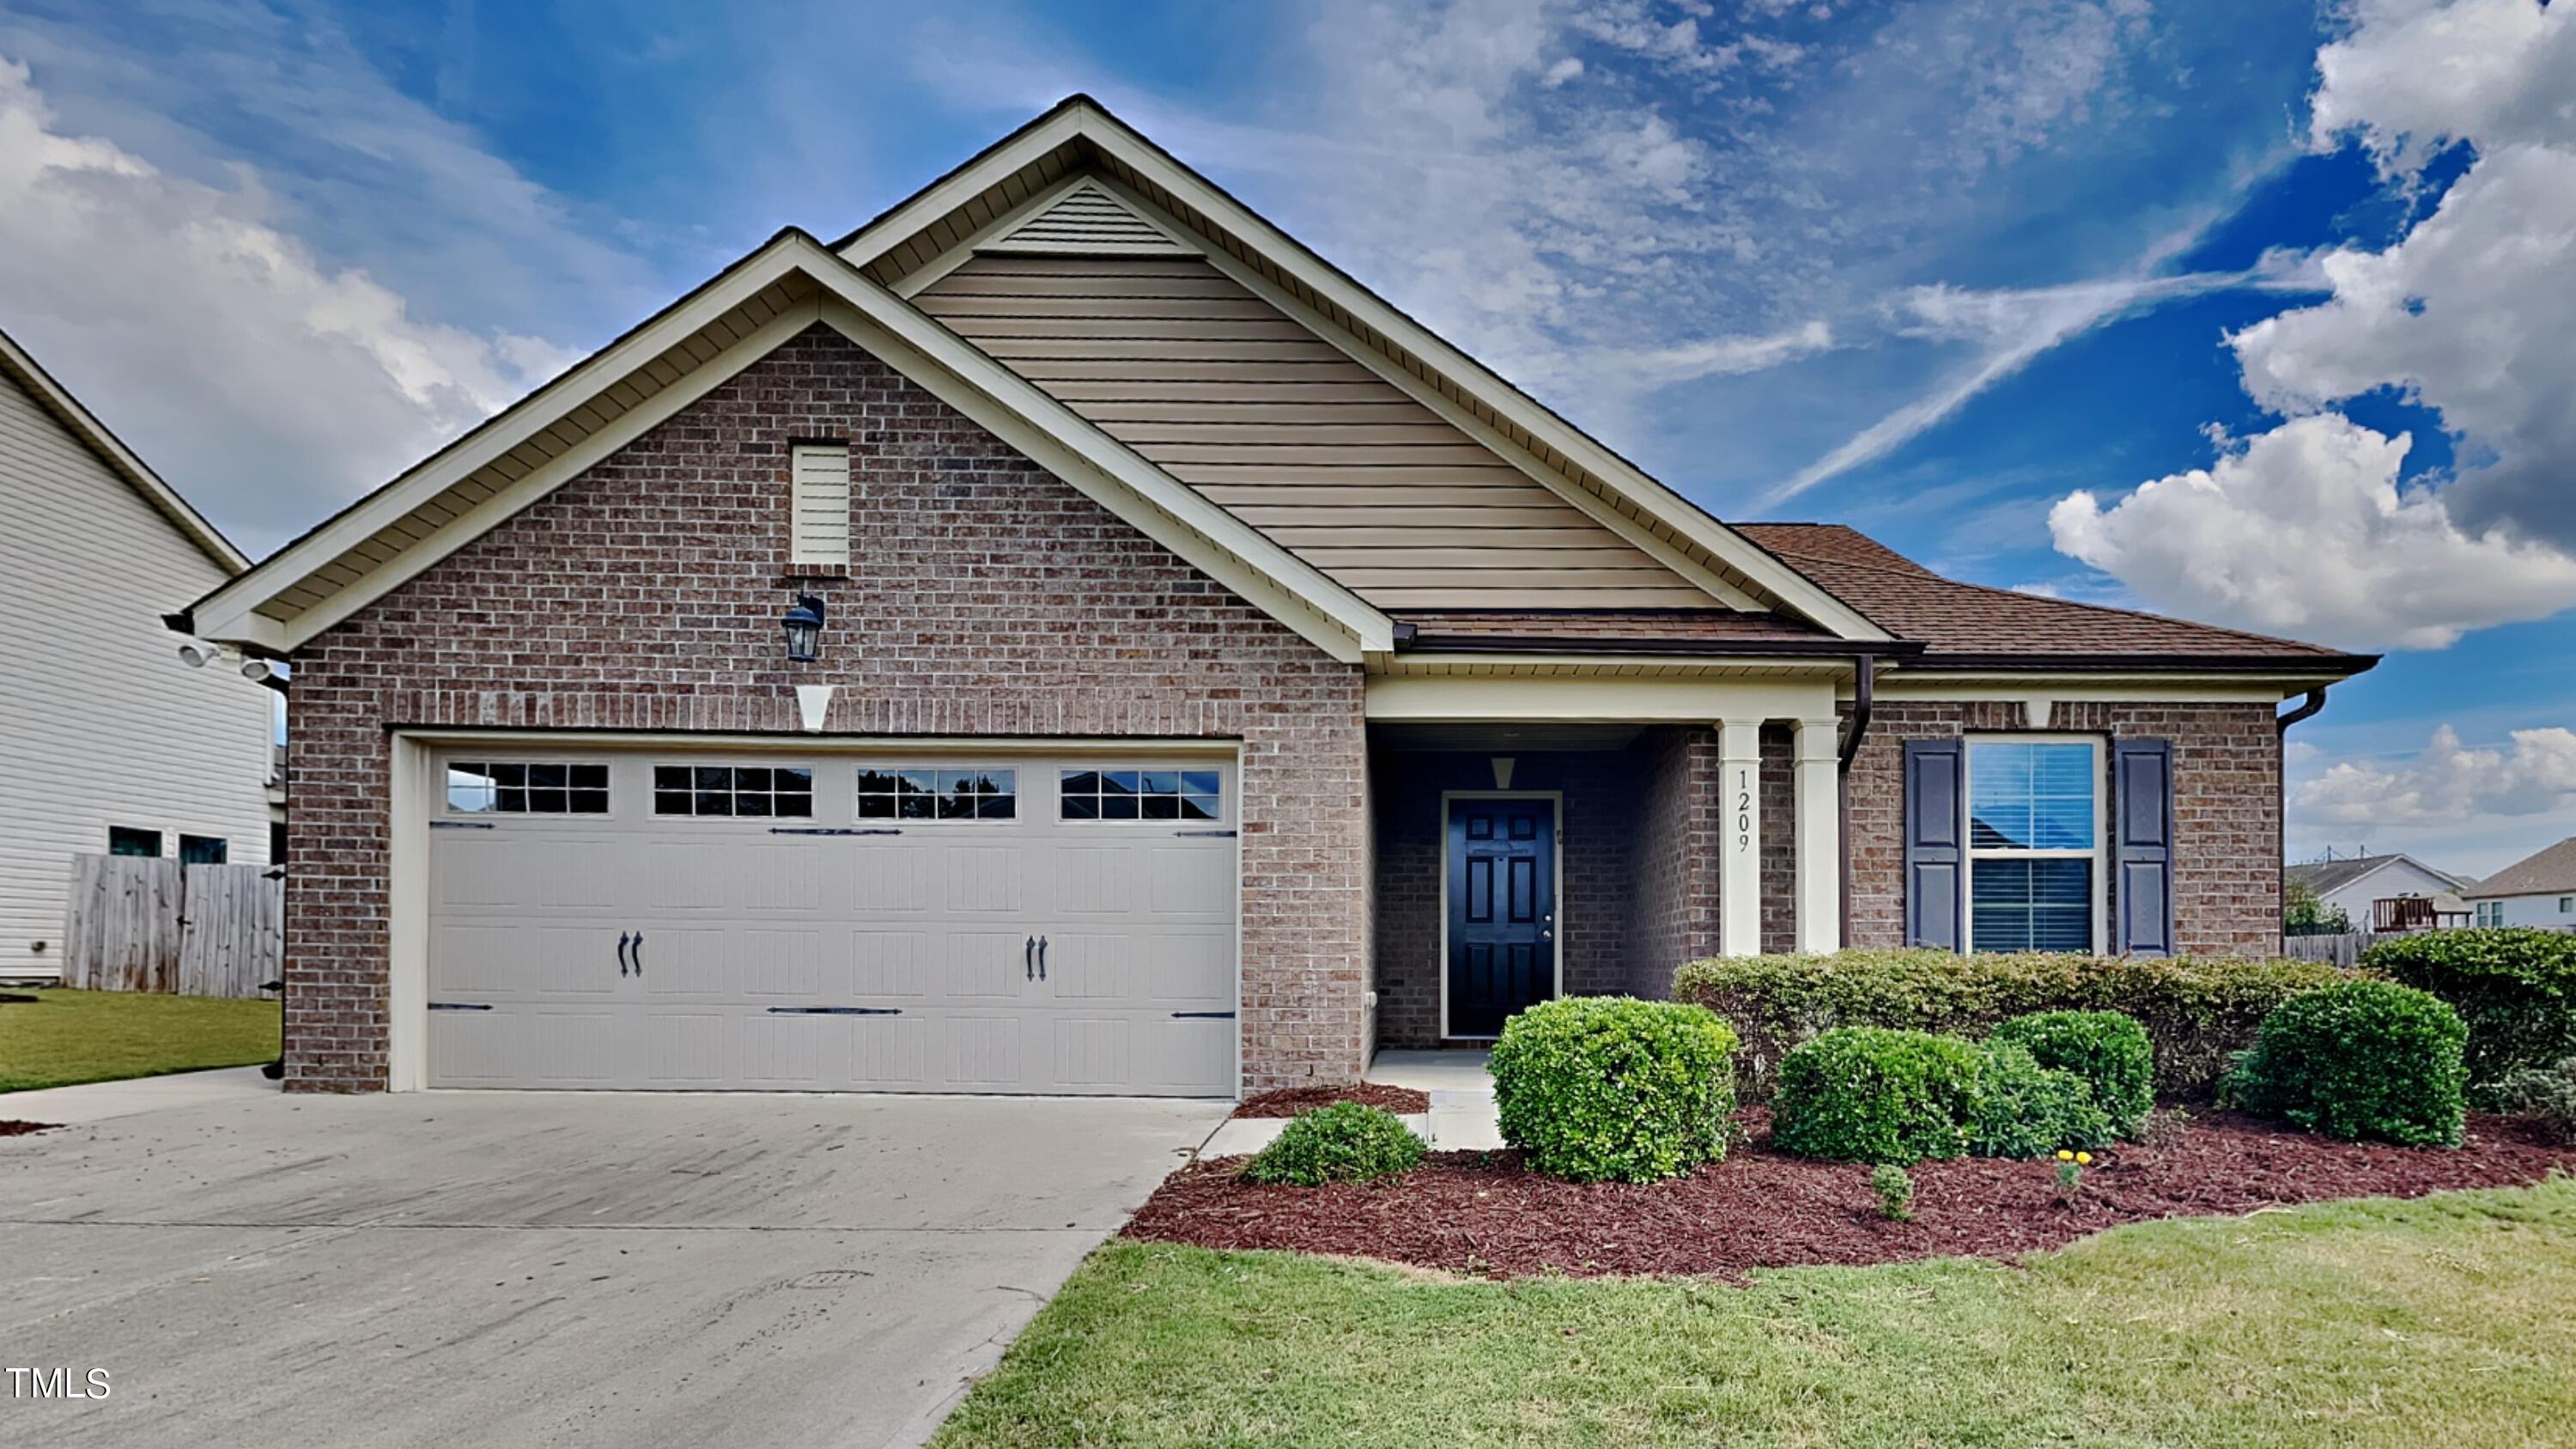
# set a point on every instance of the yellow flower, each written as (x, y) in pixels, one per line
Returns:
(2084, 1157)
(2065, 1156)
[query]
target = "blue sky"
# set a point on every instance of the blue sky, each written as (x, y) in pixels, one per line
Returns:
(1963, 273)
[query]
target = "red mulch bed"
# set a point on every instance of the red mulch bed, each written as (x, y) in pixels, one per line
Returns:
(9, 1128)
(1289, 1101)
(1480, 1213)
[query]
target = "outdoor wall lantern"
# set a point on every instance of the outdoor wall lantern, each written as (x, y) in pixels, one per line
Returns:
(804, 626)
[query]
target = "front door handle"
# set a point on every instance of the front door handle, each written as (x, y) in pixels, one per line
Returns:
(621, 953)
(1041, 958)
(1029, 958)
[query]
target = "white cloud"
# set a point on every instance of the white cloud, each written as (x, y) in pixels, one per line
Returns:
(2447, 784)
(267, 384)
(2304, 531)
(2305, 528)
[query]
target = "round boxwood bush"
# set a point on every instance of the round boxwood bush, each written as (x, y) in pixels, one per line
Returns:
(1874, 1094)
(2025, 1109)
(2364, 1059)
(2108, 1049)
(1345, 1142)
(1609, 1088)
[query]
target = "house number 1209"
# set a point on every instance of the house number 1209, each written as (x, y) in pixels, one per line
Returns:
(1743, 810)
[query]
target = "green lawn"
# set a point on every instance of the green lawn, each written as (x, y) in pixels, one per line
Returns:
(97, 1036)
(2445, 1320)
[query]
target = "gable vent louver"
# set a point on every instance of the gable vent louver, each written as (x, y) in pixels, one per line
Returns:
(1088, 220)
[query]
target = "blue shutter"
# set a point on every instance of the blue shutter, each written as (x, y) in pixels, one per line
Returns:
(1936, 837)
(2142, 847)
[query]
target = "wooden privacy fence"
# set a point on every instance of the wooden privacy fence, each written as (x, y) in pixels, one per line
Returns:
(2342, 948)
(144, 923)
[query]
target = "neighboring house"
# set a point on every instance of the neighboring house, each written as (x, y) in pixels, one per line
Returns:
(115, 746)
(2357, 884)
(1213, 676)
(2539, 890)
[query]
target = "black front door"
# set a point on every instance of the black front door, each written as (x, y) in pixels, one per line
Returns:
(1502, 910)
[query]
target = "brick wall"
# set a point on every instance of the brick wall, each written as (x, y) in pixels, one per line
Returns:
(2227, 811)
(1675, 906)
(991, 598)
(1594, 839)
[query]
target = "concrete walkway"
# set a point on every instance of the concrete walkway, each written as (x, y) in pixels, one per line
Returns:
(556, 1268)
(99, 1101)
(1461, 1118)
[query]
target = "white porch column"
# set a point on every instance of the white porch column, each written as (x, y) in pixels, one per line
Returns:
(1819, 838)
(1739, 878)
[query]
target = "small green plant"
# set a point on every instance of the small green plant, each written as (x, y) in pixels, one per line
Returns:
(2028, 1110)
(2363, 1059)
(1609, 1088)
(2108, 1049)
(1345, 1142)
(2070, 1173)
(1895, 1189)
(1868, 1094)
(2546, 1095)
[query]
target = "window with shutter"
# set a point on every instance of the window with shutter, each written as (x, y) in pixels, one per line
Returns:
(820, 525)
(2142, 787)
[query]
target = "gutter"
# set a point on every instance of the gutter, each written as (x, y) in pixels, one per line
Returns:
(1864, 687)
(2306, 709)
(1409, 637)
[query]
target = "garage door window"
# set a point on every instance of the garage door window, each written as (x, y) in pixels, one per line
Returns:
(1141, 795)
(519, 788)
(900, 793)
(753, 791)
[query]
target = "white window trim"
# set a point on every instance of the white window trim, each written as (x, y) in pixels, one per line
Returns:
(1019, 815)
(2098, 854)
(1225, 787)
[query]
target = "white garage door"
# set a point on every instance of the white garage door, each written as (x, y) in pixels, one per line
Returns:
(820, 922)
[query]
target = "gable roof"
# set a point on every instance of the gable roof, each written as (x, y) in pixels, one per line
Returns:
(18, 365)
(2548, 872)
(1971, 625)
(909, 246)
(791, 283)
(2328, 876)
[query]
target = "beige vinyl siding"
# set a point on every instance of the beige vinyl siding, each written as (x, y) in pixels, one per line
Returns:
(104, 725)
(820, 513)
(1178, 361)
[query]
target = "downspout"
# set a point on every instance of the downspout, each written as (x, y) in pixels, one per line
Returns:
(2306, 709)
(1864, 681)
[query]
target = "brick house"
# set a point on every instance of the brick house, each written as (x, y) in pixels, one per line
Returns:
(1067, 637)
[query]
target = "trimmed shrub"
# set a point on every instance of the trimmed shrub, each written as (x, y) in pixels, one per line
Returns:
(1345, 1142)
(2025, 1109)
(2108, 1049)
(1610, 1088)
(1870, 1094)
(2364, 1059)
(2514, 986)
(2198, 1011)
(1894, 1188)
(2546, 1095)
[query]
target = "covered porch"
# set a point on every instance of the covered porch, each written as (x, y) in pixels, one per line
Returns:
(1584, 832)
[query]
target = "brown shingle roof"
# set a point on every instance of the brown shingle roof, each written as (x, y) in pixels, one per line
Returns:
(2551, 872)
(1960, 623)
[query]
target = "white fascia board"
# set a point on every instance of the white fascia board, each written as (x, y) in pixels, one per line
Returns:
(1204, 535)
(1459, 698)
(2145, 686)
(225, 614)
(1660, 503)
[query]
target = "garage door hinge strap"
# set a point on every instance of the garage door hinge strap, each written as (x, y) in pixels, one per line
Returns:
(825, 830)
(1204, 1015)
(1218, 834)
(460, 1006)
(836, 1011)
(460, 825)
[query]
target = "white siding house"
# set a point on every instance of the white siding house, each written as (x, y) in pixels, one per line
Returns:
(2355, 884)
(2537, 891)
(106, 729)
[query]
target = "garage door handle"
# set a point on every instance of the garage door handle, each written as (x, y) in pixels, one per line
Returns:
(1204, 1015)
(1029, 958)
(621, 953)
(1041, 958)
(639, 953)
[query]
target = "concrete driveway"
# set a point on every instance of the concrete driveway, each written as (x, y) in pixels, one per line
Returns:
(494, 1268)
